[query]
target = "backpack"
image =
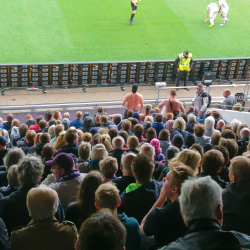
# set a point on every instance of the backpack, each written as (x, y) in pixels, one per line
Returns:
(205, 94)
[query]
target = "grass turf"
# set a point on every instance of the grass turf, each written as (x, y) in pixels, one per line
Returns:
(82, 30)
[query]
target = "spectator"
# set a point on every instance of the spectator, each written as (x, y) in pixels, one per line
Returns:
(165, 143)
(189, 141)
(201, 206)
(13, 183)
(108, 168)
(235, 123)
(95, 139)
(191, 121)
(178, 128)
(184, 116)
(169, 125)
(57, 115)
(43, 139)
(21, 140)
(68, 179)
(84, 207)
(83, 154)
(117, 120)
(209, 126)
(136, 115)
(133, 202)
(212, 163)
(178, 141)
(46, 231)
(169, 116)
(165, 222)
(197, 148)
(30, 137)
(127, 175)
(239, 128)
(127, 126)
(48, 115)
(124, 135)
(231, 146)
(60, 141)
(66, 121)
(42, 127)
(29, 120)
(201, 139)
(215, 138)
(113, 132)
(228, 126)
(237, 106)
(172, 104)
(7, 125)
(3, 150)
(48, 153)
(87, 122)
(106, 141)
(158, 151)
(236, 196)
(138, 132)
(58, 129)
(229, 101)
(191, 110)
(81, 136)
(86, 137)
(36, 127)
(107, 196)
(228, 134)
(71, 138)
(133, 144)
(77, 123)
(105, 123)
(15, 129)
(158, 124)
(100, 111)
(146, 126)
(148, 107)
(150, 134)
(51, 123)
(51, 131)
(103, 131)
(105, 227)
(220, 124)
(243, 140)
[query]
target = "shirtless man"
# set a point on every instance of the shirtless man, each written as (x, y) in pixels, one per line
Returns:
(172, 105)
(133, 99)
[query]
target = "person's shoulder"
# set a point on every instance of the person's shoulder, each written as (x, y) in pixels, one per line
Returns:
(67, 225)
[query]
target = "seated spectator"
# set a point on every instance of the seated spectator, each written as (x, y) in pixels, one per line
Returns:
(231, 146)
(13, 209)
(220, 124)
(133, 199)
(158, 124)
(184, 116)
(138, 132)
(15, 129)
(124, 135)
(149, 118)
(86, 137)
(178, 128)
(198, 148)
(13, 183)
(66, 121)
(118, 145)
(237, 107)
(30, 138)
(148, 107)
(212, 163)
(84, 207)
(97, 120)
(60, 141)
(71, 138)
(105, 227)
(189, 141)
(3, 149)
(137, 116)
(58, 129)
(68, 179)
(243, 140)
(36, 127)
(87, 122)
(80, 135)
(191, 110)
(37, 149)
(150, 135)
(165, 222)
(228, 126)
(133, 144)
(42, 205)
(106, 141)
(178, 141)
(146, 126)
(217, 117)
(77, 123)
(165, 143)
(127, 126)
(48, 153)
(239, 128)
(20, 141)
(42, 127)
(13, 157)
(105, 123)
(83, 154)
(103, 131)
(191, 121)
(108, 168)
(134, 122)
(107, 196)
(57, 115)
(235, 123)
(113, 132)
(171, 153)
(228, 102)
(127, 175)
(169, 125)
(236, 196)
(209, 126)
(7, 124)
(51, 131)
(29, 120)
(49, 124)
(215, 138)
(158, 151)
(201, 207)
(48, 115)
(95, 139)
(100, 111)
(201, 139)
(228, 134)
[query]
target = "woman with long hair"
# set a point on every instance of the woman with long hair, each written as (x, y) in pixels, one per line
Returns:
(60, 141)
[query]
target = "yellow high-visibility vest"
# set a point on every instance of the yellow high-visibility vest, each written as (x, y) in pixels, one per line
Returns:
(184, 63)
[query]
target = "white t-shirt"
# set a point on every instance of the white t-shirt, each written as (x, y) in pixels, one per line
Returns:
(213, 7)
(223, 4)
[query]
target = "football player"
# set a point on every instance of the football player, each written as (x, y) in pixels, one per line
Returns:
(224, 8)
(213, 8)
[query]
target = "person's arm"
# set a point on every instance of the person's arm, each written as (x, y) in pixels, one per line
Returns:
(205, 103)
(191, 64)
(161, 104)
(207, 15)
(182, 108)
(135, 4)
(141, 102)
(222, 106)
(194, 99)
(176, 63)
(124, 101)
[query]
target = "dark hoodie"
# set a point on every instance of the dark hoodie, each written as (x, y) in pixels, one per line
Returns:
(87, 124)
(236, 206)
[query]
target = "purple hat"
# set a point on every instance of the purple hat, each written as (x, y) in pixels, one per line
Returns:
(64, 160)
(3, 141)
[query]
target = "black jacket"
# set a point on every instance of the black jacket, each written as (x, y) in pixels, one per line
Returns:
(205, 234)
(37, 149)
(216, 178)
(117, 153)
(3, 179)
(236, 206)
(69, 148)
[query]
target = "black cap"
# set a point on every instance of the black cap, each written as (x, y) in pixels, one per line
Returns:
(134, 87)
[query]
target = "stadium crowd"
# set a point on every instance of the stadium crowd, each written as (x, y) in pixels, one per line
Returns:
(152, 180)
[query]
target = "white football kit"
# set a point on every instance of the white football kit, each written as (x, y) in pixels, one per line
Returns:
(224, 7)
(213, 7)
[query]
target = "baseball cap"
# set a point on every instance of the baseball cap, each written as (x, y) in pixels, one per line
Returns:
(178, 140)
(64, 160)
(135, 86)
(3, 141)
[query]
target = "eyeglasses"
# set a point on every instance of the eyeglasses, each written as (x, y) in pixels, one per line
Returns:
(198, 89)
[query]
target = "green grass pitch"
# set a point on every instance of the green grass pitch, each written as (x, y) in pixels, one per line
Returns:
(40, 31)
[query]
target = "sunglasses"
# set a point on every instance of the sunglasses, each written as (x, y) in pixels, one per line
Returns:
(198, 89)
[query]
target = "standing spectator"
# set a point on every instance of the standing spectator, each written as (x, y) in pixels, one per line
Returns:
(184, 64)
(29, 120)
(148, 107)
(7, 125)
(158, 124)
(133, 100)
(36, 126)
(201, 139)
(44, 231)
(172, 104)
(43, 139)
(200, 101)
(165, 143)
(229, 101)
(78, 122)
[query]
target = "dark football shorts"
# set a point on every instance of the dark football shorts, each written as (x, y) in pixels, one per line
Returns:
(133, 6)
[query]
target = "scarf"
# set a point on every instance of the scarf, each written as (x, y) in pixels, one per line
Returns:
(72, 174)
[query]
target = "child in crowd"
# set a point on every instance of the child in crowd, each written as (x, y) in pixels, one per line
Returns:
(165, 143)
(108, 168)
(156, 144)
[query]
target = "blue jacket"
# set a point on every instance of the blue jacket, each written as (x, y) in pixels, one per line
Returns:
(76, 123)
(158, 127)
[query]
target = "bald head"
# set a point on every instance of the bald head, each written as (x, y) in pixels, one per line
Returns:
(220, 124)
(118, 142)
(244, 133)
(148, 150)
(239, 168)
(126, 161)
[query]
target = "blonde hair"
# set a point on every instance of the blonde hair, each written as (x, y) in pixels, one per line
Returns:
(16, 123)
(80, 134)
(133, 142)
(51, 130)
(180, 124)
(108, 166)
(87, 137)
(79, 114)
(149, 118)
(106, 141)
(66, 114)
(60, 141)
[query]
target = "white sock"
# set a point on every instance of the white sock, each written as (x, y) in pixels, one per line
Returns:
(224, 19)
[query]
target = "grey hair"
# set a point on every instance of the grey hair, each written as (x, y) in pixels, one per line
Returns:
(148, 149)
(235, 123)
(200, 199)
(191, 118)
(118, 142)
(126, 161)
(13, 157)
(42, 203)
(209, 122)
(51, 130)
(241, 132)
(171, 153)
(30, 169)
(98, 152)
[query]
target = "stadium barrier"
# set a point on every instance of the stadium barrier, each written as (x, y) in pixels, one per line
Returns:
(114, 73)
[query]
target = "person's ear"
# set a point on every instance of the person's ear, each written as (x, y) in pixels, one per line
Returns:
(54, 152)
(42, 153)
(119, 202)
(200, 163)
(220, 214)
(121, 167)
(228, 160)
(77, 248)
(175, 189)
(76, 166)
(97, 206)
(155, 136)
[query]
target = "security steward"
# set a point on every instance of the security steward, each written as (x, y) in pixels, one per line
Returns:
(183, 63)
